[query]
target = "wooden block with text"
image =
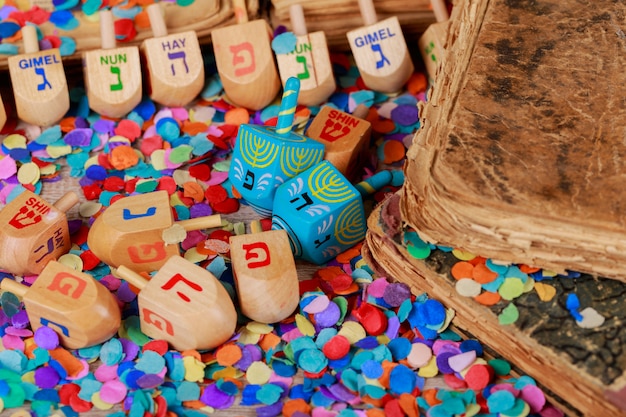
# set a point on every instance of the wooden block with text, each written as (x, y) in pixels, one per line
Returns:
(265, 274)
(130, 231)
(80, 309)
(183, 304)
(33, 232)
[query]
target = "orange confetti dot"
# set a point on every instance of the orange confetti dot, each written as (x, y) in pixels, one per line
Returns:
(394, 151)
(488, 298)
(236, 116)
(483, 274)
(409, 405)
(329, 273)
(193, 190)
(462, 270)
(348, 255)
(430, 395)
(298, 405)
(269, 341)
(69, 362)
(228, 355)
(123, 157)
(383, 125)
(193, 128)
(528, 269)
(67, 124)
(417, 83)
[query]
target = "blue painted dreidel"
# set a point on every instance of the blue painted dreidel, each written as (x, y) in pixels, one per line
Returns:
(265, 157)
(174, 65)
(309, 62)
(80, 309)
(323, 212)
(39, 84)
(380, 51)
(265, 274)
(136, 231)
(34, 232)
(183, 304)
(112, 75)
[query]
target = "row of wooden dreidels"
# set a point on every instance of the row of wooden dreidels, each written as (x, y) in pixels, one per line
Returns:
(244, 58)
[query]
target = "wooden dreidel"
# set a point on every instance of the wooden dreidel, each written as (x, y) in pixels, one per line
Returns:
(322, 212)
(39, 84)
(431, 42)
(3, 114)
(345, 136)
(309, 62)
(80, 309)
(112, 75)
(380, 51)
(264, 157)
(174, 65)
(245, 61)
(131, 231)
(33, 232)
(265, 275)
(183, 304)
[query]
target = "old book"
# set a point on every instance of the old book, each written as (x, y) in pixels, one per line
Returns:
(521, 154)
(582, 371)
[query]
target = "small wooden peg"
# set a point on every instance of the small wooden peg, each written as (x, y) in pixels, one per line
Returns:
(245, 61)
(265, 275)
(130, 231)
(380, 51)
(80, 309)
(183, 304)
(39, 84)
(174, 64)
(309, 62)
(33, 232)
(112, 75)
(346, 138)
(432, 40)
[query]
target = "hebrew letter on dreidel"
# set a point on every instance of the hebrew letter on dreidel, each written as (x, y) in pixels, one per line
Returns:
(150, 317)
(44, 83)
(303, 75)
(319, 243)
(50, 248)
(240, 52)
(148, 253)
(46, 322)
(383, 59)
(179, 278)
(257, 250)
(127, 215)
(24, 218)
(118, 86)
(68, 284)
(178, 55)
(248, 185)
(306, 198)
(333, 131)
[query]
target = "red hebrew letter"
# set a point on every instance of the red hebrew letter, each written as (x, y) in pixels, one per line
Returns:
(333, 131)
(150, 317)
(148, 253)
(242, 53)
(257, 250)
(68, 284)
(25, 217)
(179, 278)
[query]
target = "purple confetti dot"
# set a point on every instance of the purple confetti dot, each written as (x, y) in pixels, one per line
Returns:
(200, 210)
(46, 338)
(46, 377)
(405, 115)
(395, 294)
(148, 381)
(20, 319)
(78, 137)
(214, 397)
(442, 362)
(270, 410)
(329, 316)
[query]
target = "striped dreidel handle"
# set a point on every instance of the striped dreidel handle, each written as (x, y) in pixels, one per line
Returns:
(288, 106)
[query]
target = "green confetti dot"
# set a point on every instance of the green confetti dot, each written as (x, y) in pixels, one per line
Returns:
(500, 366)
(509, 315)
(511, 288)
(10, 303)
(184, 3)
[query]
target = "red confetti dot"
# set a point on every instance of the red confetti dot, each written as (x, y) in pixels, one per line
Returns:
(125, 30)
(80, 236)
(91, 191)
(90, 261)
(215, 194)
(79, 405)
(113, 183)
(128, 129)
(130, 185)
(392, 408)
(479, 376)
(151, 144)
(168, 184)
(67, 391)
(103, 161)
(454, 382)
(337, 347)
(371, 318)
(158, 346)
(230, 205)
(266, 224)
(200, 171)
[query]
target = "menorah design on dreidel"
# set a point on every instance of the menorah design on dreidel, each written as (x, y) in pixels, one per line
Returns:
(265, 275)
(112, 75)
(265, 157)
(322, 212)
(34, 232)
(174, 65)
(130, 231)
(183, 304)
(80, 309)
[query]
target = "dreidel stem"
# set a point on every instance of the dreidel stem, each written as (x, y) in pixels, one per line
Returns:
(241, 12)
(296, 16)
(16, 288)
(361, 111)
(440, 10)
(374, 183)
(107, 35)
(66, 202)
(368, 12)
(157, 23)
(29, 37)
(205, 222)
(132, 277)
(288, 106)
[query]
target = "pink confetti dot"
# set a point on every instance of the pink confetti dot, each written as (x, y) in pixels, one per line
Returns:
(113, 392)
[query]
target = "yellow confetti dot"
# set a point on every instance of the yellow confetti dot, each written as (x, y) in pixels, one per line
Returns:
(157, 158)
(180, 176)
(48, 169)
(21, 413)
(227, 373)
(462, 255)
(91, 161)
(353, 331)
(449, 316)
(525, 411)
(260, 328)
(305, 326)
(430, 370)
(72, 260)
(471, 410)
(192, 255)
(174, 234)
(14, 141)
(247, 337)
(255, 226)
(258, 373)
(58, 151)
(29, 377)
(28, 173)
(89, 208)
(194, 369)
(544, 291)
(477, 361)
(529, 285)
(98, 403)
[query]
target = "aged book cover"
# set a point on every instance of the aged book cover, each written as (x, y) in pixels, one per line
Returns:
(582, 370)
(522, 152)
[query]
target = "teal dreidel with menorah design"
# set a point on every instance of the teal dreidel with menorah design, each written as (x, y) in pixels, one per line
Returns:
(323, 212)
(265, 157)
